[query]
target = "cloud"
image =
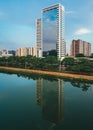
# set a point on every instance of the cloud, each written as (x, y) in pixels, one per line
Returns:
(70, 12)
(82, 31)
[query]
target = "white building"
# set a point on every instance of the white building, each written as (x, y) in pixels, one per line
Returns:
(38, 38)
(53, 31)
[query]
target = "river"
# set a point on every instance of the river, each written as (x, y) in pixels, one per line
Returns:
(38, 103)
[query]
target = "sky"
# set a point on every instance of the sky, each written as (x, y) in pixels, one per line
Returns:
(18, 21)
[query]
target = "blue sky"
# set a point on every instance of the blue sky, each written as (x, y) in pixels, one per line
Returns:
(17, 21)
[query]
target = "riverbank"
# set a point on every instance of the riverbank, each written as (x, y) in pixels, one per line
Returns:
(57, 74)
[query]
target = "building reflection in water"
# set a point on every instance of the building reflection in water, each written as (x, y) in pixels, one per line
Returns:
(50, 96)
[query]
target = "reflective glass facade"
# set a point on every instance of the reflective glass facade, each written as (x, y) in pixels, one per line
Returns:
(53, 31)
(50, 30)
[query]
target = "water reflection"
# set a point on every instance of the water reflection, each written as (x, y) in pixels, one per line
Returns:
(58, 108)
(83, 85)
(50, 97)
(45, 104)
(80, 83)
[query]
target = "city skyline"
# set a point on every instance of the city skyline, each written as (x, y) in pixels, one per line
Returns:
(17, 21)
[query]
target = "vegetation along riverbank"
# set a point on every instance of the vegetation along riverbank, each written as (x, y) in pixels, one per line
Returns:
(57, 74)
(79, 68)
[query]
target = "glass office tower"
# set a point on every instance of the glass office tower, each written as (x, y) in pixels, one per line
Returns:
(53, 31)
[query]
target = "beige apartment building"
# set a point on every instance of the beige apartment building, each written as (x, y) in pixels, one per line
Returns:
(32, 51)
(80, 47)
(23, 51)
(18, 52)
(26, 51)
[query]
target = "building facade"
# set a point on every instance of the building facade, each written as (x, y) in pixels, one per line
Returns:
(7, 53)
(26, 51)
(18, 52)
(80, 47)
(53, 30)
(87, 48)
(32, 51)
(11, 52)
(38, 38)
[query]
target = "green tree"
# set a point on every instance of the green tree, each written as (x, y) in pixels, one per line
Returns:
(68, 61)
(80, 55)
(91, 55)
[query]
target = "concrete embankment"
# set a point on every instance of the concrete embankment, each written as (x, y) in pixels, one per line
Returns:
(58, 74)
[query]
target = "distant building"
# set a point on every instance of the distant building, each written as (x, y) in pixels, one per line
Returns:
(18, 52)
(80, 47)
(87, 48)
(0, 53)
(38, 38)
(5, 53)
(11, 52)
(26, 51)
(32, 51)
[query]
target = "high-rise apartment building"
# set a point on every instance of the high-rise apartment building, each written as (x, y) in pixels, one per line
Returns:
(80, 47)
(32, 51)
(38, 38)
(26, 51)
(18, 52)
(50, 31)
(53, 30)
(87, 48)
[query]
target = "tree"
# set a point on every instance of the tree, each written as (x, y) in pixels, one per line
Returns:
(80, 55)
(68, 61)
(82, 61)
(91, 55)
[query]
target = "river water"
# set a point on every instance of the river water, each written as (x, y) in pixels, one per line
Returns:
(30, 103)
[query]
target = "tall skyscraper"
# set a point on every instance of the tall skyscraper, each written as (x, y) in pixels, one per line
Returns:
(38, 38)
(50, 32)
(53, 30)
(80, 47)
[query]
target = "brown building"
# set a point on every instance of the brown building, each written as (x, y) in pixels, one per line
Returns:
(80, 47)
